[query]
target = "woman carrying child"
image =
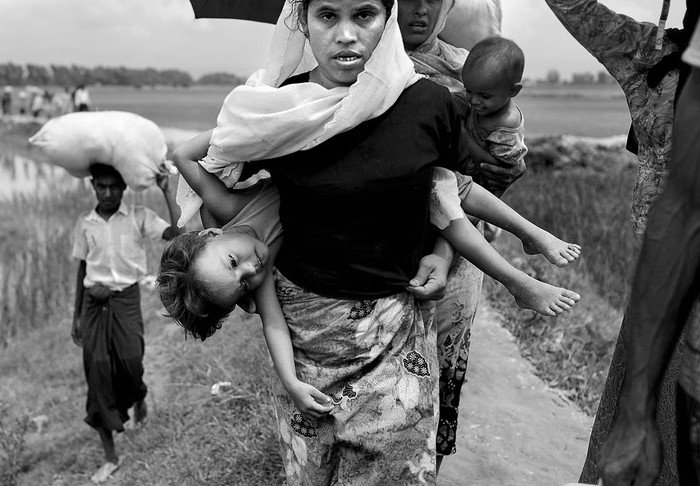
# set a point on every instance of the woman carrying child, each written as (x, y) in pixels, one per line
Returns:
(355, 219)
(354, 181)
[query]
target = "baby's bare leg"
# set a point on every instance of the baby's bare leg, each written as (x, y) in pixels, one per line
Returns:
(529, 293)
(481, 203)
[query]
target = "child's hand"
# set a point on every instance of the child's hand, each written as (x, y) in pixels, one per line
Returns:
(311, 403)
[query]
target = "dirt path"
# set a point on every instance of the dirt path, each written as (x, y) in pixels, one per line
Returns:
(514, 430)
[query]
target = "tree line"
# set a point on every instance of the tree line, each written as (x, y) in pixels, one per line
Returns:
(57, 75)
(601, 77)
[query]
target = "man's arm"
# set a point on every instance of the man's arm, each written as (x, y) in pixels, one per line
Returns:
(76, 331)
(664, 288)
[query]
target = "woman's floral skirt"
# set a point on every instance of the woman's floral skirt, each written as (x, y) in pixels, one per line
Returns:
(377, 359)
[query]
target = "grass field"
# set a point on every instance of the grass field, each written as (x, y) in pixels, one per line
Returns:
(197, 438)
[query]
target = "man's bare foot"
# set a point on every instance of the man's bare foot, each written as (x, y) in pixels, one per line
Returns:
(543, 298)
(105, 472)
(556, 251)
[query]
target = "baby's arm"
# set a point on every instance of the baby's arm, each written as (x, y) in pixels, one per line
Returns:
(310, 402)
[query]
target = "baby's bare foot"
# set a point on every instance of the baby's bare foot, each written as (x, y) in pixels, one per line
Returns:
(546, 299)
(556, 251)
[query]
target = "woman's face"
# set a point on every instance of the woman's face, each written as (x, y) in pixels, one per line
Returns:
(417, 19)
(342, 36)
(231, 264)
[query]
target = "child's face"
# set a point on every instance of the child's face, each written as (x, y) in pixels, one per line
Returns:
(231, 264)
(486, 93)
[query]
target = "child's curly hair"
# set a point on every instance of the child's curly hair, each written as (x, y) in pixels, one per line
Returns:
(184, 297)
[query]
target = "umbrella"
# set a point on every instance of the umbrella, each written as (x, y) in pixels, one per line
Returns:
(257, 10)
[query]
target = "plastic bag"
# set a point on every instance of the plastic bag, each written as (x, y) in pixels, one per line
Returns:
(130, 143)
(470, 21)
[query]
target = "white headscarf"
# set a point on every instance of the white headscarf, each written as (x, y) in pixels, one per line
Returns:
(262, 120)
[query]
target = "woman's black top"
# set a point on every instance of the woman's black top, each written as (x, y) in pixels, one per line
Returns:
(355, 208)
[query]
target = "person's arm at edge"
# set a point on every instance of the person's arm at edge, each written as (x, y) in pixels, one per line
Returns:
(76, 331)
(580, 17)
(310, 402)
(663, 291)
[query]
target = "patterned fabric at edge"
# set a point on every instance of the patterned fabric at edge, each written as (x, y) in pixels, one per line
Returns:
(377, 360)
(665, 414)
(113, 356)
(627, 49)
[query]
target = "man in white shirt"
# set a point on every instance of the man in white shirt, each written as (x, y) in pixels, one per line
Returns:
(109, 243)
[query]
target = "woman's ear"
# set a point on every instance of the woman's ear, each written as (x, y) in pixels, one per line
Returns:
(302, 21)
(247, 304)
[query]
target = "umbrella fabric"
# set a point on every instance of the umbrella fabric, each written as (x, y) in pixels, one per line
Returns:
(257, 10)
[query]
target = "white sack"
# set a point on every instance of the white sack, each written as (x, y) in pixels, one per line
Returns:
(470, 21)
(133, 145)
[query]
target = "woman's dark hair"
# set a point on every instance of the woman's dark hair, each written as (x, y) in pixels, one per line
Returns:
(183, 296)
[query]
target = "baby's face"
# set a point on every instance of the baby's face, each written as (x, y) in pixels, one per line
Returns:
(231, 264)
(486, 93)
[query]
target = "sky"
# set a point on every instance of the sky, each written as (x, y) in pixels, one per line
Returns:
(164, 34)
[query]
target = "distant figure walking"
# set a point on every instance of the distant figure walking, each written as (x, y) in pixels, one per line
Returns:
(81, 98)
(62, 102)
(6, 101)
(109, 243)
(38, 104)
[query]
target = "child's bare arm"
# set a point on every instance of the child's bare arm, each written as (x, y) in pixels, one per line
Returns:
(310, 402)
(221, 203)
